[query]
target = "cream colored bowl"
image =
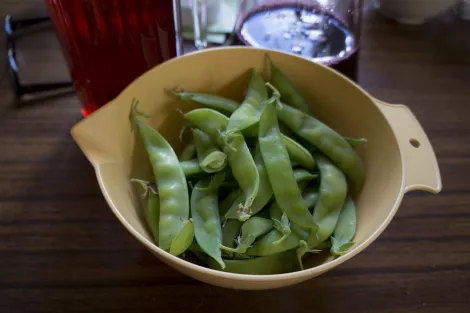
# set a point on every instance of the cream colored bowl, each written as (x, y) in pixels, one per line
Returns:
(393, 165)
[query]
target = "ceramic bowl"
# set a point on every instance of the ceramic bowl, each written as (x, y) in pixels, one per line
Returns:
(412, 11)
(398, 156)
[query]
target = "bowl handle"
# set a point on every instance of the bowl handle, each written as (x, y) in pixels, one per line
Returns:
(421, 171)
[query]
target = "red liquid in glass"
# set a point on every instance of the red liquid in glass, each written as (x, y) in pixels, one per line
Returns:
(109, 43)
(306, 31)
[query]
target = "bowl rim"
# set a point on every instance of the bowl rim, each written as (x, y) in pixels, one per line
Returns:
(299, 275)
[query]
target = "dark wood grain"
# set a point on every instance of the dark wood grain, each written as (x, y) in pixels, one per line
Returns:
(62, 250)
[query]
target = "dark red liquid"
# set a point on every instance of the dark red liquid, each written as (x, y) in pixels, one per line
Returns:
(109, 43)
(306, 31)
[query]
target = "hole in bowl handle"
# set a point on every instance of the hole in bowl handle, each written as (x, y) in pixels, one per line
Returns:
(421, 170)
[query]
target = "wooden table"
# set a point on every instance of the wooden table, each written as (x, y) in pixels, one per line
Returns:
(62, 250)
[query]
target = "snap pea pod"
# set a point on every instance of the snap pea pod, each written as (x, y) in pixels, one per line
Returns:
(226, 204)
(281, 221)
(176, 231)
(332, 194)
(152, 211)
(345, 230)
(310, 196)
(239, 157)
(270, 244)
(205, 213)
(298, 153)
(237, 211)
(183, 239)
(327, 141)
(249, 112)
(224, 105)
(264, 193)
(189, 152)
(230, 231)
(275, 241)
(279, 169)
(191, 168)
(302, 250)
(301, 232)
(354, 142)
(250, 231)
(289, 93)
(210, 158)
(279, 263)
(302, 175)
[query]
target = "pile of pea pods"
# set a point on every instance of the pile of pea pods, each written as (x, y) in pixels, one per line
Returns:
(259, 185)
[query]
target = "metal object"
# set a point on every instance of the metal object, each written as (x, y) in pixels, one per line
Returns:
(20, 27)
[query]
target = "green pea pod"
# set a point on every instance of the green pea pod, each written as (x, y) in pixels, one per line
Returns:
(327, 141)
(189, 152)
(205, 213)
(250, 231)
(191, 168)
(265, 192)
(184, 238)
(332, 194)
(298, 153)
(354, 142)
(152, 211)
(301, 175)
(289, 93)
(230, 232)
(239, 157)
(249, 112)
(211, 159)
(171, 184)
(279, 263)
(271, 244)
(301, 232)
(302, 250)
(310, 196)
(345, 230)
(221, 104)
(279, 169)
(281, 221)
(226, 204)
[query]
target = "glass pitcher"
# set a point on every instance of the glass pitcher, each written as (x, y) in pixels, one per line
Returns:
(324, 31)
(109, 43)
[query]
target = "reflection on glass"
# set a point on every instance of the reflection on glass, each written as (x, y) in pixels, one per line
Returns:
(200, 23)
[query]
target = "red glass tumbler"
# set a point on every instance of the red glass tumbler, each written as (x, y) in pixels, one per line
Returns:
(109, 43)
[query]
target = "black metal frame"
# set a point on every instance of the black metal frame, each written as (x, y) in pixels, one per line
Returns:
(13, 29)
